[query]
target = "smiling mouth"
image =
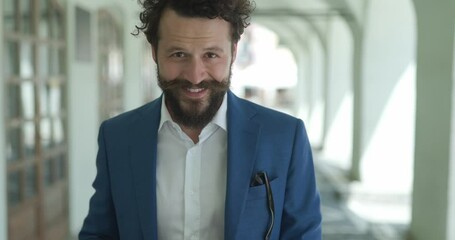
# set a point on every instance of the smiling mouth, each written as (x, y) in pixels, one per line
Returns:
(195, 90)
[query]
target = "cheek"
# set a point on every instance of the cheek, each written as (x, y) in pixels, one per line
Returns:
(220, 72)
(168, 71)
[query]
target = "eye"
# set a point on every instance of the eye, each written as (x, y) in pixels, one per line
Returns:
(211, 55)
(179, 54)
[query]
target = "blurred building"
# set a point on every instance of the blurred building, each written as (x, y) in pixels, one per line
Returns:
(373, 81)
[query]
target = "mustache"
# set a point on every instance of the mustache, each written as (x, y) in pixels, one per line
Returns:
(182, 83)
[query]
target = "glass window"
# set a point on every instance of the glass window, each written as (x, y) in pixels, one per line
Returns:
(25, 14)
(111, 66)
(34, 76)
(62, 61)
(54, 62)
(58, 132)
(26, 60)
(13, 145)
(48, 172)
(56, 25)
(43, 63)
(61, 167)
(30, 181)
(9, 15)
(43, 27)
(29, 140)
(46, 134)
(44, 100)
(28, 99)
(55, 99)
(14, 188)
(13, 101)
(10, 59)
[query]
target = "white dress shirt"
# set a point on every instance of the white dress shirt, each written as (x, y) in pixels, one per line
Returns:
(191, 179)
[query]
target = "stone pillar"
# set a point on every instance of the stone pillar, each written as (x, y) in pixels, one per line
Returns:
(357, 101)
(434, 122)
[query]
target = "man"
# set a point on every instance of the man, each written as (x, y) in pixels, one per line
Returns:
(198, 162)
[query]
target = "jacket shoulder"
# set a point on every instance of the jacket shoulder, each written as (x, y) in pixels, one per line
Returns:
(148, 110)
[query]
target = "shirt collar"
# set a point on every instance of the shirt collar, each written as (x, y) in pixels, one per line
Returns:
(219, 118)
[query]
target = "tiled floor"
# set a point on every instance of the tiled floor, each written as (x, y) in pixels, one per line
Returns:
(341, 224)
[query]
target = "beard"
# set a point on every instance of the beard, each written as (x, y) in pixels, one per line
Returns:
(195, 114)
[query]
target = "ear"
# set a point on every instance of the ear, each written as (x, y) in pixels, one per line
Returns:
(154, 54)
(234, 52)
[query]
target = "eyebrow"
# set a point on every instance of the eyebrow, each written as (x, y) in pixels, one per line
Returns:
(210, 49)
(214, 49)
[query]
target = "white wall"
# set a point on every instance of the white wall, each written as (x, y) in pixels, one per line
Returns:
(83, 91)
(389, 96)
(303, 84)
(338, 140)
(133, 48)
(317, 101)
(388, 110)
(3, 196)
(83, 119)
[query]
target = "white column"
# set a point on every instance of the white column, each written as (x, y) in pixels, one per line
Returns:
(83, 119)
(432, 214)
(134, 94)
(338, 140)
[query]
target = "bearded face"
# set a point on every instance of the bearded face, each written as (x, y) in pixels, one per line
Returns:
(194, 58)
(193, 112)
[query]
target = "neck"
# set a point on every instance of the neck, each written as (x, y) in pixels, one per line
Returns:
(193, 133)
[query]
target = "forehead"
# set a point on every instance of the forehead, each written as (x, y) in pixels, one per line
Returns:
(176, 28)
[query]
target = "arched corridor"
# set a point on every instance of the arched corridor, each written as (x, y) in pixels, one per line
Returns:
(372, 80)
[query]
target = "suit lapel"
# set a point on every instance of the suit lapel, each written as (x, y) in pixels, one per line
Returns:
(143, 165)
(243, 134)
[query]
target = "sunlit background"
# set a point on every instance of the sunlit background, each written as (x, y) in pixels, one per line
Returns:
(372, 80)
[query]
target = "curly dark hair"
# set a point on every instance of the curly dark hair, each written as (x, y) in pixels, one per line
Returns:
(236, 12)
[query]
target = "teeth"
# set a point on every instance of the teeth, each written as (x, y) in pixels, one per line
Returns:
(195, 90)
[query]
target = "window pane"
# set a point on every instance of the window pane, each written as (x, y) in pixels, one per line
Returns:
(44, 100)
(43, 55)
(48, 172)
(29, 139)
(61, 167)
(58, 132)
(46, 133)
(13, 145)
(43, 27)
(28, 99)
(56, 24)
(9, 15)
(26, 16)
(62, 61)
(30, 181)
(26, 60)
(54, 64)
(13, 101)
(55, 99)
(14, 188)
(10, 59)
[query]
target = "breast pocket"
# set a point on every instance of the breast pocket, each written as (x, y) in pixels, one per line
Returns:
(256, 215)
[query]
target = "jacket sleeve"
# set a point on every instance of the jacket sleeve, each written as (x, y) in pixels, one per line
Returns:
(302, 213)
(100, 222)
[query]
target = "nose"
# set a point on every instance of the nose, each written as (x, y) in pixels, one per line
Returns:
(196, 71)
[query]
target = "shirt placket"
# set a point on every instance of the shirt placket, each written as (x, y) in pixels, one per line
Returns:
(192, 193)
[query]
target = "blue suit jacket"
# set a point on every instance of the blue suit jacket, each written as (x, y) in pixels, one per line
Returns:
(259, 139)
